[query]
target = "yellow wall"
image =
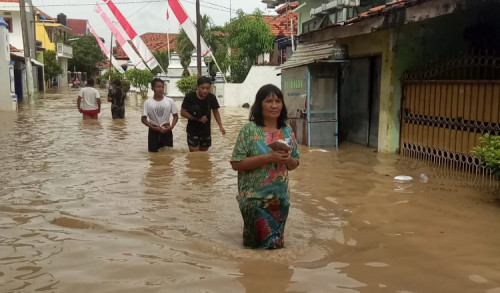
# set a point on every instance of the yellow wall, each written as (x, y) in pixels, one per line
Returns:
(379, 43)
(42, 36)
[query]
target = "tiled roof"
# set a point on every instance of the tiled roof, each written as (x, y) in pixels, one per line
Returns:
(280, 24)
(154, 41)
(43, 15)
(77, 26)
(291, 6)
(12, 48)
(384, 9)
(13, 1)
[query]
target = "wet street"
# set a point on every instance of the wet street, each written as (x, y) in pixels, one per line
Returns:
(85, 208)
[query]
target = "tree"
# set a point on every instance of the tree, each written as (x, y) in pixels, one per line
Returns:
(213, 36)
(104, 78)
(140, 79)
(86, 53)
(187, 84)
(162, 58)
(51, 67)
(251, 36)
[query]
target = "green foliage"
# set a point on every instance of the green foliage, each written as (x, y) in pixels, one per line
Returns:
(187, 84)
(251, 36)
(212, 35)
(114, 75)
(86, 53)
(140, 79)
(51, 66)
(489, 153)
(125, 86)
(162, 58)
(239, 68)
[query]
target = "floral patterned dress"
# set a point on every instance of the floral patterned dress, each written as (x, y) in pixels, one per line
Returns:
(263, 192)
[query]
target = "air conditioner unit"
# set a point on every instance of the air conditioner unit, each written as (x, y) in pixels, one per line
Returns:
(342, 15)
(333, 6)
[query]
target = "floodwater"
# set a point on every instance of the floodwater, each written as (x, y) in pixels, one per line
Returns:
(85, 208)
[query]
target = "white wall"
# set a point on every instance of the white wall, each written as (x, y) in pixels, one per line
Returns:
(6, 101)
(236, 94)
(63, 77)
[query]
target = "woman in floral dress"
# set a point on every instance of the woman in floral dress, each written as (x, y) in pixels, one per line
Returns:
(263, 173)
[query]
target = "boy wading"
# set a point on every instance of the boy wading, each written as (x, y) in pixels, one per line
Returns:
(197, 107)
(156, 116)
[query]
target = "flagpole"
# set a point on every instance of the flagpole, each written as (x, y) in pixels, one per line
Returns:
(110, 60)
(168, 37)
(198, 42)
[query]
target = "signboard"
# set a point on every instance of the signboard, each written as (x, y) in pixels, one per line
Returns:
(340, 52)
(294, 87)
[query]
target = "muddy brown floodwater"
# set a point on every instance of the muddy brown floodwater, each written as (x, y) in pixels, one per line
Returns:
(85, 208)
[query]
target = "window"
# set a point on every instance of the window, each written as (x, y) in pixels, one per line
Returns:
(8, 20)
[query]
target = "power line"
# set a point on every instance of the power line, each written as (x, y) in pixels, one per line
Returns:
(227, 9)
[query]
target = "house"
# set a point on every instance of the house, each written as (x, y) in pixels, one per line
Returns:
(11, 13)
(154, 41)
(284, 27)
(53, 33)
(77, 26)
(418, 77)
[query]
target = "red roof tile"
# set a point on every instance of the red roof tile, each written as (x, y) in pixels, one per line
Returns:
(290, 6)
(280, 24)
(154, 41)
(40, 12)
(13, 1)
(383, 9)
(77, 26)
(13, 49)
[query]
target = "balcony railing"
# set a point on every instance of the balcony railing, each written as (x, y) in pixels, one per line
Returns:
(64, 51)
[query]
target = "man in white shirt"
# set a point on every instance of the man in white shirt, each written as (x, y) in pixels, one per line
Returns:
(89, 101)
(156, 116)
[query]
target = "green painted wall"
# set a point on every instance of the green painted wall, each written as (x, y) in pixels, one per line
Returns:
(412, 46)
(304, 13)
(378, 43)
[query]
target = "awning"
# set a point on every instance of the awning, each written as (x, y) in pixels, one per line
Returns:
(21, 55)
(310, 53)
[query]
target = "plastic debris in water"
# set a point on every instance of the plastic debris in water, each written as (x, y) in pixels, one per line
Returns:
(402, 183)
(424, 178)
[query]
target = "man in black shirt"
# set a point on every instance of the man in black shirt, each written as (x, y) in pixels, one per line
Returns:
(117, 98)
(197, 107)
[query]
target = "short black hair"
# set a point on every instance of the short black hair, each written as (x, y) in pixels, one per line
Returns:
(203, 80)
(256, 110)
(90, 82)
(155, 81)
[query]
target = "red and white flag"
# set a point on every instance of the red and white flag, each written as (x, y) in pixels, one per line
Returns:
(136, 60)
(105, 50)
(187, 25)
(144, 51)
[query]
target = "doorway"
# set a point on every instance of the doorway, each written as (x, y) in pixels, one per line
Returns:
(359, 102)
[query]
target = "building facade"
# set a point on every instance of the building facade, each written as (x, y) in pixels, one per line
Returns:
(53, 33)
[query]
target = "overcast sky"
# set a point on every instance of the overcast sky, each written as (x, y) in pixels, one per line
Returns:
(146, 15)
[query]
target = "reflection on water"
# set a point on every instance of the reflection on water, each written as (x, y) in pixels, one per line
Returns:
(85, 208)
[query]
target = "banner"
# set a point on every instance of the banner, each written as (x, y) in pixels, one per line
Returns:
(144, 51)
(187, 25)
(136, 60)
(105, 50)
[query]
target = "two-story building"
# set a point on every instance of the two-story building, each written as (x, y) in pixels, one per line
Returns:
(11, 13)
(52, 33)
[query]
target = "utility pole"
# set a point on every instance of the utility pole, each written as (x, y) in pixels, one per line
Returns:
(27, 51)
(198, 38)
